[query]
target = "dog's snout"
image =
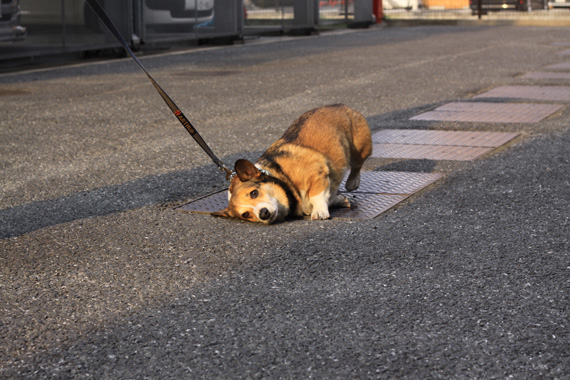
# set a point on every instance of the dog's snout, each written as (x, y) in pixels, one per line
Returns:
(264, 214)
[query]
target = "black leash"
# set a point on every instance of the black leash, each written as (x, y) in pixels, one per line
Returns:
(179, 115)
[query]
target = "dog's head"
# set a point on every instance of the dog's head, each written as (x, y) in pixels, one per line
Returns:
(254, 196)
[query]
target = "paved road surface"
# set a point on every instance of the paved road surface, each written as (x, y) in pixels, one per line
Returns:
(101, 279)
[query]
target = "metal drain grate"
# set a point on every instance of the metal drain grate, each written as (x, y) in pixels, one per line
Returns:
(539, 93)
(393, 182)
(457, 138)
(378, 192)
(546, 75)
(490, 112)
(367, 206)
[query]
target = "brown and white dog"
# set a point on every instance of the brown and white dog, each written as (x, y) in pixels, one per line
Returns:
(301, 172)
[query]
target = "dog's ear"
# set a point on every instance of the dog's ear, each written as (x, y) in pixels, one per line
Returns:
(246, 170)
(225, 213)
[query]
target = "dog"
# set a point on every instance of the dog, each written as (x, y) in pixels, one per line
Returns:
(300, 174)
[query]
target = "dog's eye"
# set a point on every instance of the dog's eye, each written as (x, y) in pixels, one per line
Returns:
(245, 215)
(254, 194)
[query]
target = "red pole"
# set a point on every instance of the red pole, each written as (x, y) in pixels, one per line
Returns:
(377, 10)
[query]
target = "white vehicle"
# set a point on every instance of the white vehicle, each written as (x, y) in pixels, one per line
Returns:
(176, 15)
(10, 28)
(559, 4)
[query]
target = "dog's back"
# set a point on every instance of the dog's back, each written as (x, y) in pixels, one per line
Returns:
(337, 132)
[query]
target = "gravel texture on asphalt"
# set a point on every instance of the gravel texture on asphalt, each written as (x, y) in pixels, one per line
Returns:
(100, 278)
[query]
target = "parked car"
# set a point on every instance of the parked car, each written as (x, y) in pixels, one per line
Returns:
(559, 4)
(10, 28)
(176, 15)
(518, 5)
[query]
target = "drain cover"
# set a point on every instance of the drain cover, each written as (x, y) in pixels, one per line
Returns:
(457, 138)
(490, 112)
(393, 182)
(378, 192)
(367, 206)
(540, 93)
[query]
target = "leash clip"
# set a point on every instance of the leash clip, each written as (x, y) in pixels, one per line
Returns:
(230, 174)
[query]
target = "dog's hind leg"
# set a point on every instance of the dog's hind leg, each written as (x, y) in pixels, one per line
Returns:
(356, 161)
(353, 181)
(360, 150)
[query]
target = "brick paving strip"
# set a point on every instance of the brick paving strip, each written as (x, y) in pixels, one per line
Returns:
(439, 137)
(490, 112)
(536, 93)
(437, 145)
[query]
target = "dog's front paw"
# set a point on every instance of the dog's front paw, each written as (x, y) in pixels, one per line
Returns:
(320, 206)
(320, 214)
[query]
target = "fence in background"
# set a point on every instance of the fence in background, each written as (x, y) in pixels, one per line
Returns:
(60, 26)
(31, 28)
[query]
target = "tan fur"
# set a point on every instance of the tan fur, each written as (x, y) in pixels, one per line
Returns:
(310, 159)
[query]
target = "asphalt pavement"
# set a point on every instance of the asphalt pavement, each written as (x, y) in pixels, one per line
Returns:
(101, 278)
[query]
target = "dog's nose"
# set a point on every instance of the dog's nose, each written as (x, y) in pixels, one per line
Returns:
(264, 214)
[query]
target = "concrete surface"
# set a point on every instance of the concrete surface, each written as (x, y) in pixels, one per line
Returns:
(101, 279)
